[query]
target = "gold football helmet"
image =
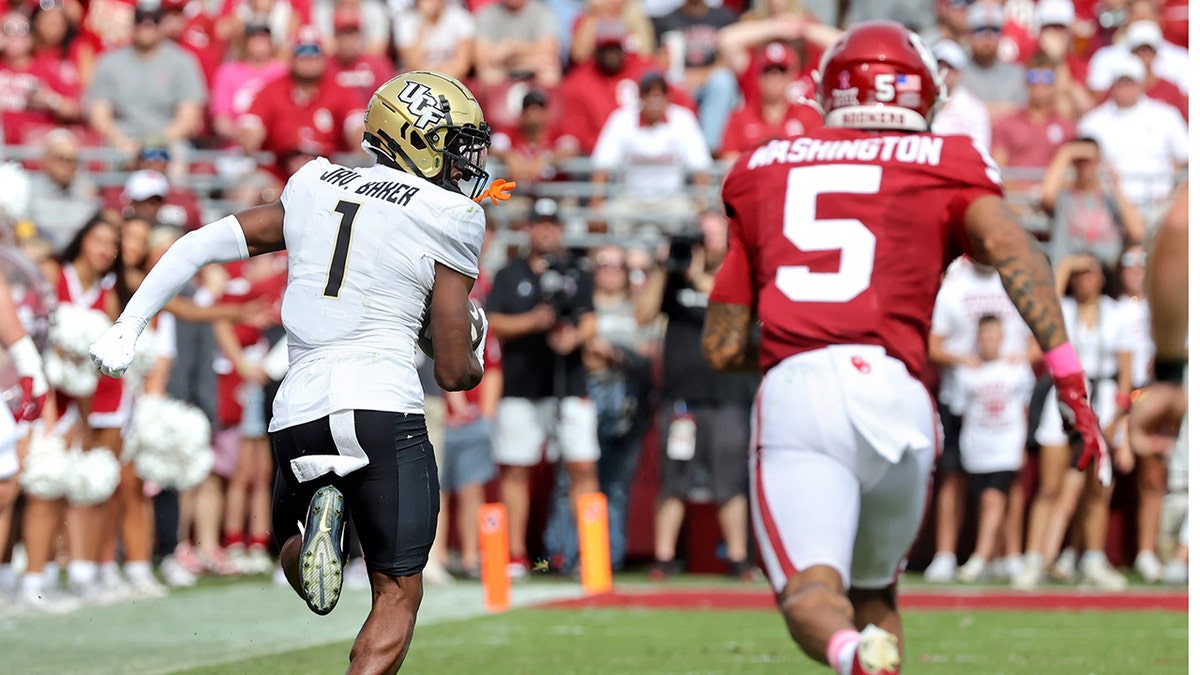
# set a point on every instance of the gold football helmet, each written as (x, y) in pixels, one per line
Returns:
(430, 125)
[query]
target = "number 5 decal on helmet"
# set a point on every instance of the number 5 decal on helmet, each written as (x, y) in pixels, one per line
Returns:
(809, 233)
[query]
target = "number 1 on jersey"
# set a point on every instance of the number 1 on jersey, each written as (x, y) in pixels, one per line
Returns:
(341, 248)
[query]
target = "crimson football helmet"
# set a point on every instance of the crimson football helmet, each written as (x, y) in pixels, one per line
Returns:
(879, 75)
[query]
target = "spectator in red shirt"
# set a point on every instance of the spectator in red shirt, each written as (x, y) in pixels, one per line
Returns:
(774, 115)
(530, 150)
(1029, 137)
(603, 83)
(351, 66)
(305, 108)
(32, 97)
(54, 46)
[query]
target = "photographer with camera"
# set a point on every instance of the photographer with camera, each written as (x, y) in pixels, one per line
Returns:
(541, 310)
(704, 415)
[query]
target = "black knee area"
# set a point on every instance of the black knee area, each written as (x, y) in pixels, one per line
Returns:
(861, 596)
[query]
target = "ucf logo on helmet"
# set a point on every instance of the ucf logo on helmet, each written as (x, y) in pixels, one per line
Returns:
(421, 103)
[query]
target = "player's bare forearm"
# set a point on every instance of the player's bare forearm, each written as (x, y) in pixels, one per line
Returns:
(454, 363)
(727, 342)
(998, 239)
(1166, 282)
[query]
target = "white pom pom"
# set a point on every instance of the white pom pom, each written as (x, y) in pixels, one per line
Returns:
(170, 443)
(47, 467)
(94, 476)
(15, 197)
(74, 329)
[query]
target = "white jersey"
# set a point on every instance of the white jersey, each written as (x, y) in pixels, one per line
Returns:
(965, 296)
(994, 424)
(1097, 345)
(361, 247)
(1134, 337)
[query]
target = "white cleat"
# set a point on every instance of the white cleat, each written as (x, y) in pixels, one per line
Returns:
(1175, 572)
(941, 570)
(1064, 567)
(1097, 571)
(175, 574)
(973, 570)
(1148, 566)
(50, 601)
(146, 588)
(1032, 574)
(878, 652)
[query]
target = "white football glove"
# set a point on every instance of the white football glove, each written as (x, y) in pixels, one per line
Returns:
(478, 311)
(113, 352)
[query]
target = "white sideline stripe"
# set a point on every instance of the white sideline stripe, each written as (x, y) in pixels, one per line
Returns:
(210, 627)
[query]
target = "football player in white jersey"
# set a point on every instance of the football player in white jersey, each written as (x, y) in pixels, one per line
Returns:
(371, 251)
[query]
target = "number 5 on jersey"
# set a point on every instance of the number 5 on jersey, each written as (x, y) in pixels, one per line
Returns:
(341, 248)
(809, 233)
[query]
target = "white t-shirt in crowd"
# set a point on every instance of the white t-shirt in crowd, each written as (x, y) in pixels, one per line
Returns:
(994, 424)
(964, 114)
(1097, 345)
(361, 247)
(654, 160)
(1134, 337)
(441, 40)
(1170, 63)
(966, 295)
(1143, 143)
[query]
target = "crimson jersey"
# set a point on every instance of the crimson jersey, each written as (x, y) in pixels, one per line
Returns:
(840, 236)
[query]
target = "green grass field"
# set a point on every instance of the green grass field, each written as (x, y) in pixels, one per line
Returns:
(672, 641)
(251, 627)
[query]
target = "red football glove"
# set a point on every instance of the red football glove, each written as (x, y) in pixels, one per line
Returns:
(1082, 427)
(31, 404)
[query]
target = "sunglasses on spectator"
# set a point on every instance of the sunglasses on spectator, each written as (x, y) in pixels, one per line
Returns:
(16, 28)
(140, 18)
(59, 157)
(307, 50)
(155, 155)
(1040, 76)
(50, 4)
(986, 30)
(609, 264)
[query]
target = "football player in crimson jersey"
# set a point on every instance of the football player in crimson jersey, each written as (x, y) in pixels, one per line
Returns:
(837, 242)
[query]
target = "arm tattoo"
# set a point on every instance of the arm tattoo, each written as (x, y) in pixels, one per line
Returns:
(1029, 282)
(727, 341)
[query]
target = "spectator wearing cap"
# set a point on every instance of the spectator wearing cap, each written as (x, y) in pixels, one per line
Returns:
(33, 95)
(304, 109)
(774, 115)
(1027, 139)
(350, 65)
(372, 17)
(517, 40)
(150, 87)
(603, 83)
(530, 149)
(284, 18)
(186, 23)
(60, 199)
(964, 113)
(951, 19)
(1144, 40)
(1000, 85)
(598, 14)
(744, 46)
(436, 35)
(239, 80)
(145, 197)
(179, 206)
(650, 150)
(1144, 140)
(689, 45)
(1170, 60)
(1056, 44)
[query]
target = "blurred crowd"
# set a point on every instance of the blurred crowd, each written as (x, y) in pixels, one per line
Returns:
(133, 122)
